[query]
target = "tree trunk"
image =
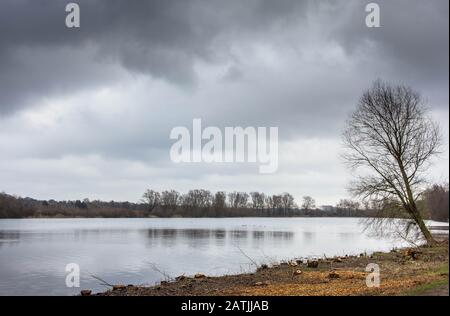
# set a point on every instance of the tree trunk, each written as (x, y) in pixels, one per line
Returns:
(413, 207)
(424, 229)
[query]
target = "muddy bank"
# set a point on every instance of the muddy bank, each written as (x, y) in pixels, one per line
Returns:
(411, 271)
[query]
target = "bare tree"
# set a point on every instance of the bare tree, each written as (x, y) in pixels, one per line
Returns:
(170, 199)
(152, 199)
(219, 201)
(274, 203)
(435, 200)
(308, 203)
(258, 200)
(391, 138)
(288, 201)
(254, 196)
(197, 198)
(348, 207)
(261, 200)
(233, 199)
(238, 199)
(270, 205)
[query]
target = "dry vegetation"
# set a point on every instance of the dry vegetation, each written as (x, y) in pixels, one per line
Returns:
(413, 271)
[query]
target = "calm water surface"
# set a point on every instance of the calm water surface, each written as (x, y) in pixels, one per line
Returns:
(34, 252)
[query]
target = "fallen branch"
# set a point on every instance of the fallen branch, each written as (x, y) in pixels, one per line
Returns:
(247, 256)
(166, 276)
(102, 282)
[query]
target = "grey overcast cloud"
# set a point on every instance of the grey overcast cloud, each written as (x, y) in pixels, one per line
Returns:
(87, 112)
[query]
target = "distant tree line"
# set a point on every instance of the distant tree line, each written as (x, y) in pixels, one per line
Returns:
(18, 207)
(204, 203)
(434, 202)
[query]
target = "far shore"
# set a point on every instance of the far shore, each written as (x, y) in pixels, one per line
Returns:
(205, 217)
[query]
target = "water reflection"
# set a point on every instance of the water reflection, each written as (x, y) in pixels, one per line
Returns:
(347, 236)
(309, 236)
(9, 237)
(168, 233)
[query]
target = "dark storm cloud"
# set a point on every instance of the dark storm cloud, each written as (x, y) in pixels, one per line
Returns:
(160, 38)
(39, 56)
(413, 38)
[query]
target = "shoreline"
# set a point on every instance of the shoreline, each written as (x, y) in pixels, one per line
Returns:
(408, 271)
(444, 225)
(193, 217)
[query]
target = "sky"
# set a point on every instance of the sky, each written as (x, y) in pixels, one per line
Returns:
(87, 112)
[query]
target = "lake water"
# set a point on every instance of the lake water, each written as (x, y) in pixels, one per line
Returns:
(34, 252)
